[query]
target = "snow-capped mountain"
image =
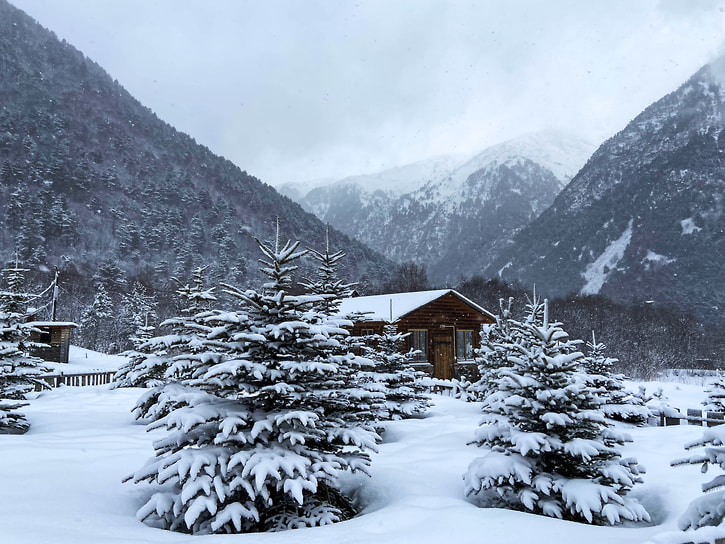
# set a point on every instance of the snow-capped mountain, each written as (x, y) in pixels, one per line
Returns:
(317, 195)
(450, 213)
(561, 154)
(644, 218)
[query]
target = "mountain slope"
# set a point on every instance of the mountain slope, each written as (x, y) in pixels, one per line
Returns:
(644, 218)
(450, 214)
(88, 173)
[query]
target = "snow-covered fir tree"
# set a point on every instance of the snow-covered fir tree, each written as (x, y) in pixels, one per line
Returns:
(262, 438)
(550, 450)
(20, 372)
(715, 396)
(328, 284)
(329, 290)
(138, 315)
(394, 377)
(97, 321)
(708, 509)
(164, 358)
(616, 402)
(497, 342)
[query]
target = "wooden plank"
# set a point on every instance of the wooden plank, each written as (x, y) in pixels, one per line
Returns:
(669, 421)
(715, 418)
(694, 416)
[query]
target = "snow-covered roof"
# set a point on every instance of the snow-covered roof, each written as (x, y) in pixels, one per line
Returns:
(392, 307)
(51, 324)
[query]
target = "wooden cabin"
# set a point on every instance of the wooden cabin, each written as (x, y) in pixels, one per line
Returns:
(54, 337)
(443, 324)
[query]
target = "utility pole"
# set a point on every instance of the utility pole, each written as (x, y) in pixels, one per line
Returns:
(54, 306)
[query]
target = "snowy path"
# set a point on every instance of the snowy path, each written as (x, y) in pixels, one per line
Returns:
(61, 483)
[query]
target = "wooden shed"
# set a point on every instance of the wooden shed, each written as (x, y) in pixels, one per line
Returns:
(54, 337)
(443, 324)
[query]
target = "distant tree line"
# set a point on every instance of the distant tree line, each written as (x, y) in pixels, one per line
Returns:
(645, 337)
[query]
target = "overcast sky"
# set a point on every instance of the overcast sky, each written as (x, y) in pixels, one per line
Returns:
(295, 90)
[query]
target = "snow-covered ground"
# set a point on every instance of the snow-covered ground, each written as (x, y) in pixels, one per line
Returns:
(62, 482)
(84, 360)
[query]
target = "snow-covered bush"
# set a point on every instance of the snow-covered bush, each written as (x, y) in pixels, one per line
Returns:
(616, 402)
(657, 403)
(550, 450)
(710, 508)
(269, 418)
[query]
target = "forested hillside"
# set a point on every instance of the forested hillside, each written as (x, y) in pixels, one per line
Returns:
(91, 179)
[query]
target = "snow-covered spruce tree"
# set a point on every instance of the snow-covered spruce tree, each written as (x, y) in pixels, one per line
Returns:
(138, 315)
(394, 377)
(708, 509)
(616, 402)
(262, 439)
(497, 342)
(170, 356)
(550, 449)
(20, 373)
(715, 396)
(328, 284)
(96, 322)
(329, 290)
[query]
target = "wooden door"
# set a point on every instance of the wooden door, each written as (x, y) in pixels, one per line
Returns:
(443, 356)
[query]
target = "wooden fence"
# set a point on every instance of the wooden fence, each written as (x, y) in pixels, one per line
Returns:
(79, 379)
(693, 416)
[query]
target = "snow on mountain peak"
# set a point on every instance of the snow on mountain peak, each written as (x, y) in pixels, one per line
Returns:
(401, 180)
(562, 154)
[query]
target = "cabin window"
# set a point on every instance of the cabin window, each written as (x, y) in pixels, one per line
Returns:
(44, 337)
(464, 345)
(418, 342)
(368, 334)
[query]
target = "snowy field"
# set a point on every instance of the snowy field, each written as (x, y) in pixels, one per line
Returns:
(61, 482)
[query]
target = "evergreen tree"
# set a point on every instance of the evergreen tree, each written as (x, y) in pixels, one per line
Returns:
(111, 277)
(138, 314)
(328, 284)
(261, 438)
(329, 290)
(96, 322)
(161, 359)
(20, 373)
(715, 396)
(710, 508)
(394, 377)
(497, 341)
(617, 403)
(551, 451)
